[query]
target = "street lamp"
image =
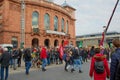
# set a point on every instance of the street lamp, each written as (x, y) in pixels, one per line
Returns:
(22, 42)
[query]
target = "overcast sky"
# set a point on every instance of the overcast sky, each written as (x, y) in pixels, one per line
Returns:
(92, 15)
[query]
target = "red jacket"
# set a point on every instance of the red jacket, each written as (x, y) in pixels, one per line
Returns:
(43, 53)
(97, 76)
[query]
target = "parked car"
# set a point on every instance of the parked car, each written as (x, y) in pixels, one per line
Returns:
(9, 46)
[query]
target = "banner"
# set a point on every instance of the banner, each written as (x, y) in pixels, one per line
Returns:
(66, 43)
(80, 44)
(102, 40)
(61, 51)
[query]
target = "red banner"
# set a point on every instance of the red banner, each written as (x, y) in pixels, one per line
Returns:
(61, 51)
(102, 40)
(66, 43)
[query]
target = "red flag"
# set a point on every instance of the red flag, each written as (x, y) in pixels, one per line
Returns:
(61, 51)
(66, 43)
(102, 40)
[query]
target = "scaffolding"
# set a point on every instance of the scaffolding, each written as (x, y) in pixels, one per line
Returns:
(22, 41)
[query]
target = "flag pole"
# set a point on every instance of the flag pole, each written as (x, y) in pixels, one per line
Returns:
(111, 16)
(105, 30)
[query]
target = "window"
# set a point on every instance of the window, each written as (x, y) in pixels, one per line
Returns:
(62, 25)
(15, 42)
(47, 21)
(55, 23)
(67, 27)
(35, 17)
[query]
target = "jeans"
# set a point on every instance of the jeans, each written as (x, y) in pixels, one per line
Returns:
(81, 60)
(77, 64)
(15, 63)
(11, 62)
(6, 72)
(44, 63)
(27, 66)
(48, 61)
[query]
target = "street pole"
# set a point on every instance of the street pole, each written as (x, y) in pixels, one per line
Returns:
(22, 42)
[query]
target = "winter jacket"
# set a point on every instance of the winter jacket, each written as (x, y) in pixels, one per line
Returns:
(27, 55)
(5, 58)
(114, 62)
(76, 54)
(15, 54)
(43, 53)
(102, 76)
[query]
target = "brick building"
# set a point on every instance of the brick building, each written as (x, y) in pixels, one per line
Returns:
(41, 22)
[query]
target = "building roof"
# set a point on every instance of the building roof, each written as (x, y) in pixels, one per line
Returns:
(65, 4)
(97, 34)
(49, 0)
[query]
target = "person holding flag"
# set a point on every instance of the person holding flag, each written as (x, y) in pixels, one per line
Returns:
(61, 52)
(102, 40)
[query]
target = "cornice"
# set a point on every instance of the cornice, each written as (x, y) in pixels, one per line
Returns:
(48, 5)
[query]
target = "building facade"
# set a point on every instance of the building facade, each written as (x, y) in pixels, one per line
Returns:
(94, 39)
(36, 23)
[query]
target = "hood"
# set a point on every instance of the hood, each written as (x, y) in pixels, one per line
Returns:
(43, 49)
(99, 57)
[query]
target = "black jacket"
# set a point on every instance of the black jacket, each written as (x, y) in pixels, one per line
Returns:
(27, 55)
(76, 54)
(5, 58)
(114, 62)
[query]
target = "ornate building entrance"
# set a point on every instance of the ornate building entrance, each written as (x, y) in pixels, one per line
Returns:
(47, 42)
(56, 43)
(35, 42)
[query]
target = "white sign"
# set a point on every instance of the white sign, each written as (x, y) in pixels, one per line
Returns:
(55, 32)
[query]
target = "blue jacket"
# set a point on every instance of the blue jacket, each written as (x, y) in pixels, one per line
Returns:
(114, 62)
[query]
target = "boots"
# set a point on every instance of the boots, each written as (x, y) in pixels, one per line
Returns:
(72, 70)
(80, 71)
(43, 69)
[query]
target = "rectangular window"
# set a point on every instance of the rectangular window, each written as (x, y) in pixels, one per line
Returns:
(15, 42)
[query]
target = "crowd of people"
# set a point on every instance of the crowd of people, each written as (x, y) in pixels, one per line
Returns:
(73, 57)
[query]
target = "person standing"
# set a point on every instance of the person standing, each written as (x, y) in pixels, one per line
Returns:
(115, 58)
(15, 58)
(43, 56)
(27, 58)
(19, 57)
(102, 73)
(1, 51)
(48, 56)
(92, 51)
(5, 58)
(76, 59)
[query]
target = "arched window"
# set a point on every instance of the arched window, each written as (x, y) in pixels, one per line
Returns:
(55, 23)
(47, 21)
(67, 27)
(62, 25)
(35, 17)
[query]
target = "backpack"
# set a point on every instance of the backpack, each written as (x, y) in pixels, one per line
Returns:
(117, 76)
(99, 67)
